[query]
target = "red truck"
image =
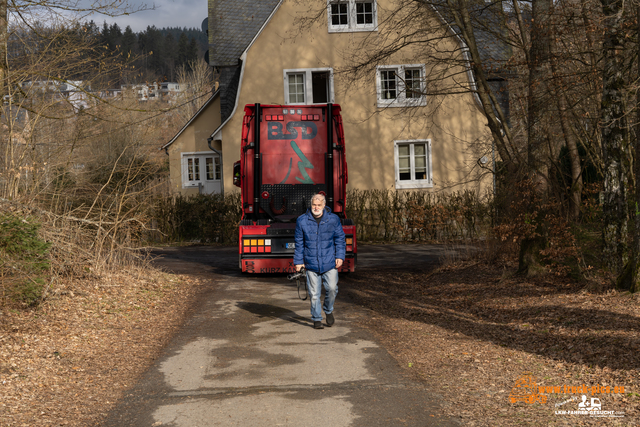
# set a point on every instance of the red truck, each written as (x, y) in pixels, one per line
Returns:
(288, 153)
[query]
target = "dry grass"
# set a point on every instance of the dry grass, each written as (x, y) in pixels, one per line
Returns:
(69, 360)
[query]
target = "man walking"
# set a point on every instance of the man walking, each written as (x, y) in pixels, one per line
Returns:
(320, 248)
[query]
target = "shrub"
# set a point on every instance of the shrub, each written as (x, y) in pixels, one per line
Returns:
(24, 259)
(203, 218)
(532, 218)
(417, 216)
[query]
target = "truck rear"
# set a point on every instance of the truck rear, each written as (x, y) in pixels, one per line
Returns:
(288, 153)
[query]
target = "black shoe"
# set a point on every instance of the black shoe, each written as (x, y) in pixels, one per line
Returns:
(317, 325)
(330, 319)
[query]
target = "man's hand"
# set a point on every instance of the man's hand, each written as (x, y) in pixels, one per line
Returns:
(339, 263)
(299, 267)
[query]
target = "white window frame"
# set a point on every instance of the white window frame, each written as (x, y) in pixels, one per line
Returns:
(413, 183)
(308, 88)
(352, 22)
(202, 157)
(401, 99)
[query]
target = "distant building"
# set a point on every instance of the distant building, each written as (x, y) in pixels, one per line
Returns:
(165, 91)
(169, 90)
(140, 91)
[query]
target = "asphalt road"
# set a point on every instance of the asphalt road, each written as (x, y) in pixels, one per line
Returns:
(248, 356)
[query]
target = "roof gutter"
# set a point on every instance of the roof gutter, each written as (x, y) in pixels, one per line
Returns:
(197, 113)
(209, 141)
(474, 87)
(465, 54)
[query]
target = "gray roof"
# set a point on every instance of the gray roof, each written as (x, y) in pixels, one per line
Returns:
(229, 85)
(489, 29)
(232, 26)
(488, 20)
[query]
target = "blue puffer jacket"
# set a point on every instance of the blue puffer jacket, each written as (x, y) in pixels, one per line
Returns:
(319, 245)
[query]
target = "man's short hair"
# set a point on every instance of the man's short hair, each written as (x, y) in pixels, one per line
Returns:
(319, 196)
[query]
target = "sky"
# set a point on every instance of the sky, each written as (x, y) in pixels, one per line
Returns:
(161, 13)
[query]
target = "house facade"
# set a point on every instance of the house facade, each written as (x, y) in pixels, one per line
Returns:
(195, 161)
(397, 135)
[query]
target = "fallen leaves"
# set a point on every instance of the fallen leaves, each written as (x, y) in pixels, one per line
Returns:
(469, 331)
(67, 362)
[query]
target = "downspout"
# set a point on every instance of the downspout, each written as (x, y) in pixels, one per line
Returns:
(235, 107)
(209, 141)
(474, 86)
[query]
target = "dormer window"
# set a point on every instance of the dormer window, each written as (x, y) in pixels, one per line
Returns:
(351, 15)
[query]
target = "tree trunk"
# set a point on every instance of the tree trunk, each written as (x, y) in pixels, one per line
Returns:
(630, 276)
(496, 119)
(539, 76)
(4, 37)
(575, 190)
(538, 129)
(614, 144)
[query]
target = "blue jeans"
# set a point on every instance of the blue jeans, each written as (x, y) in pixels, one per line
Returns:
(330, 282)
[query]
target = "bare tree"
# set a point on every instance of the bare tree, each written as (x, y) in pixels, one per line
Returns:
(567, 71)
(629, 277)
(615, 138)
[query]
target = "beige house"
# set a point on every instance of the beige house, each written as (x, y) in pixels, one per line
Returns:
(195, 161)
(397, 136)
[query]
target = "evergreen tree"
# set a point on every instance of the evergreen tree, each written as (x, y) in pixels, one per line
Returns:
(151, 45)
(104, 34)
(162, 51)
(111, 36)
(92, 29)
(129, 40)
(115, 37)
(170, 56)
(192, 51)
(183, 48)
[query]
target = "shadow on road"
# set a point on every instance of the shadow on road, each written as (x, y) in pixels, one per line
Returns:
(274, 312)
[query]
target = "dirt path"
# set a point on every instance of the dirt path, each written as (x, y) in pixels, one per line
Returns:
(249, 356)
